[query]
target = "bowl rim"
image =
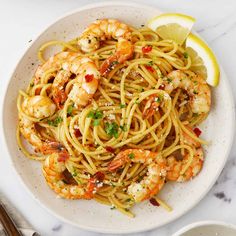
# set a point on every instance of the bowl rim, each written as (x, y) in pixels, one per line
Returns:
(61, 218)
(197, 224)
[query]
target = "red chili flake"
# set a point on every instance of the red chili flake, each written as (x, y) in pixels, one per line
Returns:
(110, 149)
(91, 145)
(154, 202)
(77, 133)
(147, 49)
(150, 68)
(37, 91)
(162, 87)
(197, 131)
(89, 78)
(63, 156)
(99, 176)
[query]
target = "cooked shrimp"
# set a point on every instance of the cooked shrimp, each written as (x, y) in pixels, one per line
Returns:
(106, 29)
(38, 106)
(151, 106)
(152, 183)
(87, 80)
(123, 52)
(54, 62)
(175, 167)
(101, 30)
(196, 87)
(53, 170)
(30, 133)
(58, 90)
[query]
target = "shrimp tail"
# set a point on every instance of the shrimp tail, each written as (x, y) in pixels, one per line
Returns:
(124, 52)
(150, 107)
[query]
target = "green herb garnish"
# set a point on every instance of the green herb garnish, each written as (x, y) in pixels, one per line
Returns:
(136, 101)
(123, 127)
(74, 174)
(96, 122)
(150, 63)
(97, 115)
(128, 200)
(185, 55)
(195, 92)
(55, 122)
(113, 64)
(70, 109)
(122, 105)
(112, 129)
(131, 155)
(169, 80)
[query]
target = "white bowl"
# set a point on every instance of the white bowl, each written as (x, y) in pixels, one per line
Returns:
(207, 228)
(89, 215)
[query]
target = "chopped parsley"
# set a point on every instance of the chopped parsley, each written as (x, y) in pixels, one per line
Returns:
(112, 208)
(128, 200)
(123, 127)
(96, 122)
(150, 63)
(122, 105)
(169, 80)
(140, 178)
(142, 89)
(195, 92)
(157, 99)
(31, 84)
(113, 64)
(131, 155)
(112, 129)
(136, 101)
(70, 109)
(195, 82)
(74, 174)
(55, 122)
(96, 115)
(185, 55)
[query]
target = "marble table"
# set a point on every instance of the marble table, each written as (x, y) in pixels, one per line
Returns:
(21, 21)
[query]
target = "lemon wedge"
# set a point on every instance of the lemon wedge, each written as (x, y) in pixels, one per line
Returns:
(172, 26)
(203, 59)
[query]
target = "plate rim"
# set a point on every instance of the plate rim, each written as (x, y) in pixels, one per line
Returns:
(37, 200)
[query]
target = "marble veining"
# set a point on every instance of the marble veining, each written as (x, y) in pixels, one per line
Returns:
(217, 23)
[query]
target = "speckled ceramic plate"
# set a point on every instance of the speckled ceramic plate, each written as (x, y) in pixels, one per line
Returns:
(90, 215)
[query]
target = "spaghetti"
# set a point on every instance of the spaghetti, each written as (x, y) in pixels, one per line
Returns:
(148, 102)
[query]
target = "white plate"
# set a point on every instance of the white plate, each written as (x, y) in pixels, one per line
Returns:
(219, 128)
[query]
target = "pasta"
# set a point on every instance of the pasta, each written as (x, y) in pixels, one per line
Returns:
(146, 103)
